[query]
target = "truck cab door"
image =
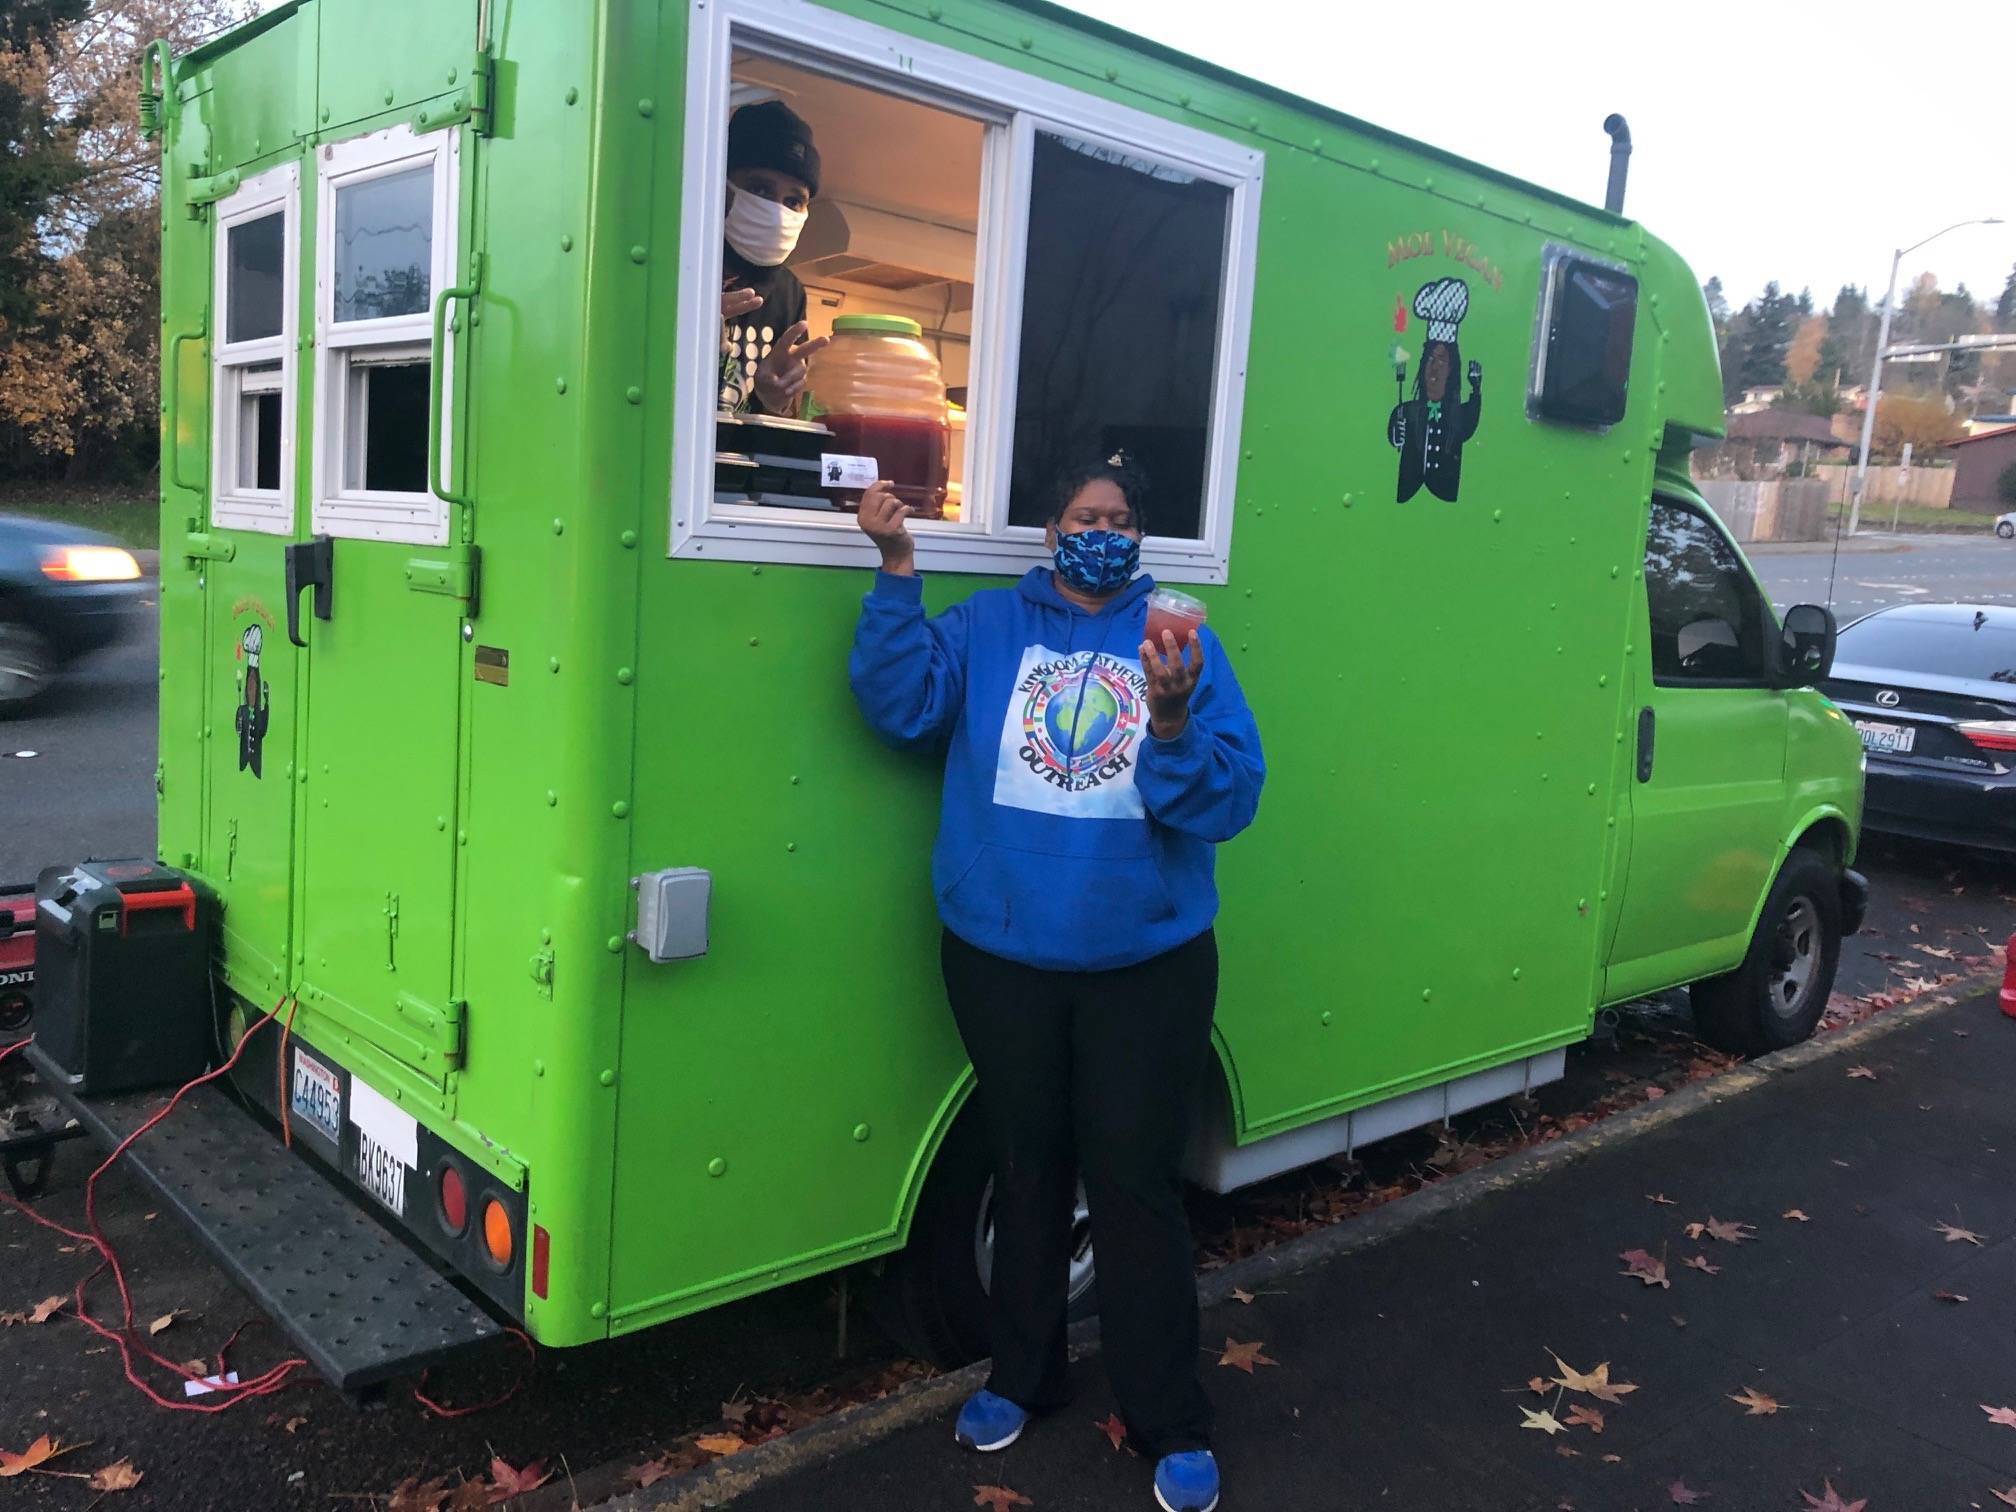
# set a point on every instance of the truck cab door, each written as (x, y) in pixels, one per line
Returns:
(1707, 791)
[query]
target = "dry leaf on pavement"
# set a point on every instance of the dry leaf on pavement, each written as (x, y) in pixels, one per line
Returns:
(2006, 1416)
(38, 1453)
(1860, 1073)
(999, 1498)
(723, 1444)
(1580, 1416)
(1244, 1356)
(736, 1412)
(165, 1319)
(117, 1476)
(1241, 1295)
(1729, 1233)
(2008, 1498)
(1957, 1235)
(1701, 1263)
(44, 1310)
(1647, 1268)
(1661, 1198)
(1947, 1296)
(1832, 1502)
(1755, 1403)
(1545, 1421)
(1114, 1429)
(1680, 1494)
(1596, 1383)
(1795, 1215)
(650, 1472)
(507, 1482)
(1539, 1385)
(416, 1495)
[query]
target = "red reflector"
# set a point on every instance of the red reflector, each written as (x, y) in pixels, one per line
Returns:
(539, 1256)
(454, 1200)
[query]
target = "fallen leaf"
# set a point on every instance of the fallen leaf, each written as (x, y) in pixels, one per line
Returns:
(1543, 1420)
(1645, 1267)
(415, 1495)
(40, 1452)
(1795, 1215)
(1859, 1073)
(1613, 1459)
(1947, 1296)
(1832, 1501)
(1940, 951)
(2008, 1497)
(1729, 1233)
(723, 1444)
(1596, 1383)
(507, 1482)
(1755, 1403)
(650, 1472)
(1567, 1451)
(1580, 1416)
(44, 1310)
(1683, 1495)
(1244, 1356)
(735, 1412)
(1239, 1295)
(1114, 1429)
(1701, 1263)
(1654, 1092)
(1539, 1385)
(118, 1476)
(293, 1424)
(1957, 1235)
(999, 1498)
(1661, 1198)
(470, 1496)
(2005, 1416)
(165, 1319)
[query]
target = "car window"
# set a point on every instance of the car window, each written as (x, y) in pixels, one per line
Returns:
(1983, 648)
(1708, 620)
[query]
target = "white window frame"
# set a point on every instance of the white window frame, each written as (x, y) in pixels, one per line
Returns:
(232, 506)
(423, 518)
(1015, 105)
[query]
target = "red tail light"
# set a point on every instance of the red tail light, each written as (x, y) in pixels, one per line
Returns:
(1990, 734)
(454, 1196)
(2008, 979)
(541, 1244)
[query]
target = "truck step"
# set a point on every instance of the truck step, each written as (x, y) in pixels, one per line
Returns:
(356, 1301)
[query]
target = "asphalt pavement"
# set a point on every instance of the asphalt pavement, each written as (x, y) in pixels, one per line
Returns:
(1876, 570)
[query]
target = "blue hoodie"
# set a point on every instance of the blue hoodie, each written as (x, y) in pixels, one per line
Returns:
(1069, 838)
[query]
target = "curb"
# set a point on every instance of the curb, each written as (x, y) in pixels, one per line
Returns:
(721, 1482)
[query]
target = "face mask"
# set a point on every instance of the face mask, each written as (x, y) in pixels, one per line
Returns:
(1096, 561)
(762, 230)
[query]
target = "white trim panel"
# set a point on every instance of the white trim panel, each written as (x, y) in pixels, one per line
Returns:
(268, 510)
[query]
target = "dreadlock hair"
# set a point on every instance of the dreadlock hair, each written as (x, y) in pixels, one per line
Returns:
(1120, 469)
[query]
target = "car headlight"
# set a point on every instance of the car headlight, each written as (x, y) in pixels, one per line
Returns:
(90, 564)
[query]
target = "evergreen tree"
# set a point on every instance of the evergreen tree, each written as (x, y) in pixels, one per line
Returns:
(1848, 349)
(1718, 302)
(1773, 318)
(2005, 307)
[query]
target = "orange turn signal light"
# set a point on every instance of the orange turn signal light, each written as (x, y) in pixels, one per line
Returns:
(497, 1241)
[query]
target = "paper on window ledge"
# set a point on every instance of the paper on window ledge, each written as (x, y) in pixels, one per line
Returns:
(838, 470)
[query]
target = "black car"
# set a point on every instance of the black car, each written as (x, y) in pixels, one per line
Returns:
(63, 591)
(1932, 689)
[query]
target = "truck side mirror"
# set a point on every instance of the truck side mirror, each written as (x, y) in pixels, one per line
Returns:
(1807, 654)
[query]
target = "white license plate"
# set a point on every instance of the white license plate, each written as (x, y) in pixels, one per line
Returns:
(1886, 739)
(317, 1097)
(387, 1144)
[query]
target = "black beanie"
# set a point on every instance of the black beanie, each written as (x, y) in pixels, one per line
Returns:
(773, 135)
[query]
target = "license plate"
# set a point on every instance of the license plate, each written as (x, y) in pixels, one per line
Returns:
(1886, 739)
(317, 1096)
(388, 1144)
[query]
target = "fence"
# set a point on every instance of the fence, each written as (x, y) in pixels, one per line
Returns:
(1781, 509)
(1923, 487)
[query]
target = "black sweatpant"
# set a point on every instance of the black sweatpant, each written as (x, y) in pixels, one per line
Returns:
(1093, 1073)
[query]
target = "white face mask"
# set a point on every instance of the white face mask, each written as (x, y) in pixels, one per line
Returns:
(762, 230)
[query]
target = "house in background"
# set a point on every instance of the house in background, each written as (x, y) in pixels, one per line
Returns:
(1768, 443)
(1979, 461)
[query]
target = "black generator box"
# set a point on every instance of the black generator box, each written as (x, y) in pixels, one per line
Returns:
(122, 975)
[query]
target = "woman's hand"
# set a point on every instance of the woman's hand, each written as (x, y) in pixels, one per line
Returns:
(881, 516)
(1172, 678)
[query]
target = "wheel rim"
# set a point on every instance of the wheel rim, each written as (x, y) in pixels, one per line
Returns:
(23, 667)
(1081, 1243)
(1795, 959)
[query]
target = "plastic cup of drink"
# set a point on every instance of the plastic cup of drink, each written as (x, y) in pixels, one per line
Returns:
(1178, 613)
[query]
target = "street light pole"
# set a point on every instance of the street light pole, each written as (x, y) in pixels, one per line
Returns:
(1876, 374)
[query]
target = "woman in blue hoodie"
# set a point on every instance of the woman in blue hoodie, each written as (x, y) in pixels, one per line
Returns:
(1089, 777)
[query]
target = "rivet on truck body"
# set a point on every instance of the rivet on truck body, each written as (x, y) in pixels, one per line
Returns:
(625, 676)
(646, 108)
(468, 631)
(861, 1133)
(598, 1309)
(629, 539)
(639, 254)
(607, 1078)
(620, 808)
(634, 394)
(572, 94)
(717, 1167)
(614, 944)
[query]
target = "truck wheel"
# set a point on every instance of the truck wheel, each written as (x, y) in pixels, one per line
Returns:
(1779, 992)
(934, 1297)
(26, 665)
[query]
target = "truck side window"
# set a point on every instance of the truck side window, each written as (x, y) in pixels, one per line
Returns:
(253, 355)
(1707, 618)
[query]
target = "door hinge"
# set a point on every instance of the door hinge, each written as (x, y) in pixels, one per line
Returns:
(200, 546)
(441, 1028)
(471, 103)
(197, 192)
(454, 571)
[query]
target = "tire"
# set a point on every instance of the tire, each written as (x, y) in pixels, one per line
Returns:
(27, 665)
(1776, 997)
(933, 1297)
(2005, 529)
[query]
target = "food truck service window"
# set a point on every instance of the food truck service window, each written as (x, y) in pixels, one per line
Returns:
(253, 385)
(386, 241)
(1007, 277)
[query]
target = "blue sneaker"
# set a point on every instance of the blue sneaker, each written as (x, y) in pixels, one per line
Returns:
(1187, 1482)
(988, 1422)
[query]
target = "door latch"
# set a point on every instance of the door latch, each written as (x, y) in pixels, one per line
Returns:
(309, 565)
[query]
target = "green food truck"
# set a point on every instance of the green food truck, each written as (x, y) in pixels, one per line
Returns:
(504, 713)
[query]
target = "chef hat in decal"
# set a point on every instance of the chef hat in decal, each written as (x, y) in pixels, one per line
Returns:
(1443, 304)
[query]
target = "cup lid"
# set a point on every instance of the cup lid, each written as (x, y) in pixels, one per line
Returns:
(887, 325)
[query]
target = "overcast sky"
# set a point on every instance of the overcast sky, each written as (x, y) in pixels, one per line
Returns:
(1753, 153)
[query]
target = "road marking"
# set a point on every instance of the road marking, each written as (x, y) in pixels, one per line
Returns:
(1893, 587)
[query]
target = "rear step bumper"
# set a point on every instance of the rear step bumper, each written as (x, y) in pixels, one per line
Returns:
(357, 1302)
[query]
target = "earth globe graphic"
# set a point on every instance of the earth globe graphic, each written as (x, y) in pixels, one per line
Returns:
(1080, 716)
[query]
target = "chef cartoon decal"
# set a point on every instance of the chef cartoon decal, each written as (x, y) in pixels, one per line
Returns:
(1429, 428)
(255, 706)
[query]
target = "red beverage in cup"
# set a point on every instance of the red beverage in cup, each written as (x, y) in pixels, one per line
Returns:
(1178, 613)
